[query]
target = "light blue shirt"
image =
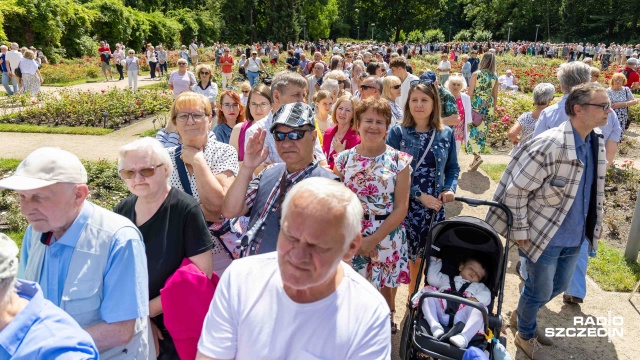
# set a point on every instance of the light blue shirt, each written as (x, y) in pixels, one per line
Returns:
(43, 331)
(571, 232)
(555, 115)
(125, 279)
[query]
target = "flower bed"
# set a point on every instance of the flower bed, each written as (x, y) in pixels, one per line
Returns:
(86, 108)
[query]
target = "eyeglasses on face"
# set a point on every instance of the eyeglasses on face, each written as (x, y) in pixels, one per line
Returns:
(365, 87)
(293, 135)
(146, 172)
(263, 105)
(204, 73)
(230, 106)
(604, 107)
(184, 117)
(245, 91)
(182, 64)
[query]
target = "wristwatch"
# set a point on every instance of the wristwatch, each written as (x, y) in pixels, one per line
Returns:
(418, 194)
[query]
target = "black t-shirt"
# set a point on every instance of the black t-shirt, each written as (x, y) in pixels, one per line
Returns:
(176, 231)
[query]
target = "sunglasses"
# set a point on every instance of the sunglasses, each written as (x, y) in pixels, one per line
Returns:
(293, 135)
(245, 91)
(204, 73)
(365, 87)
(426, 82)
(396, 87)
(146, 172)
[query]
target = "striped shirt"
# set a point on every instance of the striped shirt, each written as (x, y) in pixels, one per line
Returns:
(540, 185)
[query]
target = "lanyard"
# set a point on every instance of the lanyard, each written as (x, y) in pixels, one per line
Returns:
(424, 155)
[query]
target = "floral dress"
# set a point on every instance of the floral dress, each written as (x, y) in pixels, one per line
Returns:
(458, 131)
(419, 217)
(621, 96)
(373, 180)
(481, 102)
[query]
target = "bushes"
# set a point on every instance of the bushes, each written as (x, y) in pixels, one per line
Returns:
(86, 108)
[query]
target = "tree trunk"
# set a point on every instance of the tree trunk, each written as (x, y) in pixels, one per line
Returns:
(397, 37)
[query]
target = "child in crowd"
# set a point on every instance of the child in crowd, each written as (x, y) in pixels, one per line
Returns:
(467, 320)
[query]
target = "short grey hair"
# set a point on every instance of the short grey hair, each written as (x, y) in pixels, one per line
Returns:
(284, 79)
(8, 268)
(146, 143)
(573, 74)
(331, 85)
(14, 46)
(330, 194)
(3, 47)
(377, 81)
(543, 93)
(582, 94)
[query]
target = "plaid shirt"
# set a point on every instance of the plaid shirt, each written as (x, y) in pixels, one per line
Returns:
(527, 188)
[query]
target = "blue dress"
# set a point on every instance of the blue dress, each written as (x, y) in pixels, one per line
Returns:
(419, 217)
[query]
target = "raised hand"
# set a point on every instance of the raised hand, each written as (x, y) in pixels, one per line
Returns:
(255, 152)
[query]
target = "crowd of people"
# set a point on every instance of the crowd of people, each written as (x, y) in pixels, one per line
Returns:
(235, 194)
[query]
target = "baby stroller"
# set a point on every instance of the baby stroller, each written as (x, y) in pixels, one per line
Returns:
(455, 240)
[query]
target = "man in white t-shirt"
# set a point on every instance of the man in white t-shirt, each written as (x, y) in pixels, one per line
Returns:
(398, 67)
(302, 301)
(508, 81)
(193, 52)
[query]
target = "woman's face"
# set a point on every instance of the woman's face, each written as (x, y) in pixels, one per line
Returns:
(396, 90)
(618, 82)
(372, 127)
(324, 105)
(455, 86)
(194, 129)
(229, 107)
(344, 113)
(420, 106)
(139, 185)
(380, 72)
(259, 106)
(205, 75)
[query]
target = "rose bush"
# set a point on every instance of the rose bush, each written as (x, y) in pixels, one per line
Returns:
(86, 108)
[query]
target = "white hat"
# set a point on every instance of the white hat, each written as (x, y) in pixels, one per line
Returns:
(46, 166)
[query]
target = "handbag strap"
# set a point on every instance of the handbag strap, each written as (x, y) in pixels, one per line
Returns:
(182, 171)
(426, 151)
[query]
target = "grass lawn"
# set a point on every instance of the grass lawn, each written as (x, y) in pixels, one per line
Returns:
(150, 133)
(159, 85)
(494, 170)
(611, 271)
(74, 130)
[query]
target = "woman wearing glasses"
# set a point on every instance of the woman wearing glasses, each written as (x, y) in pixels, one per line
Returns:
(203, 167)
(172, 226)
(181, 80)
(205, 86)
(381, 177)
(391, 91)
(253, 65)
(435, 164)
(230, 113)
(259, 105)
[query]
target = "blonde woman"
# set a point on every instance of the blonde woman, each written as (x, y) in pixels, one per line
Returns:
(205, 86)
(342, 136)
(391, 89)
(31, 77)
(457, 86)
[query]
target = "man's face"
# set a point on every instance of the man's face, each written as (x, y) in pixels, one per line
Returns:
(296, 152)
(368, 89)
(102, 43)
(397, 71)
(290, 95)
(309, 252)
(594, 116)
(50, 208)
(318, 70)
(508, 73)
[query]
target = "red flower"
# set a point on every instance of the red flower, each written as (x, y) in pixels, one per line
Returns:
(103, 90)
(403, 278)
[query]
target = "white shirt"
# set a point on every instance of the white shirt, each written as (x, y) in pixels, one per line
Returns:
(251, 317)
(13, 59)
(193, 49)
(404, 90)
(444, 65)
(254, 64)
(506, 80)
(28, 66)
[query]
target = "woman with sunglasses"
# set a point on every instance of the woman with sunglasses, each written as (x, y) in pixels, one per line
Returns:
(381, 177)
(259, 105)
(435, 164)
(181, 80)
(203, 167)
(205, 86)
(245, 88)
(391, 91)
(343, 135)
(172, 226)
(230, 113)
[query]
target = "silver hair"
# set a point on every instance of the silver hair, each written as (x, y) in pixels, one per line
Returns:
(7, 287)
(330, 194)
(331, 85)
(146, 143)
(543, 93)
(573, 74)
(4, 47)
(580, 95)
(285, 79)
(459, 78)
(376, 81)
(14, 46)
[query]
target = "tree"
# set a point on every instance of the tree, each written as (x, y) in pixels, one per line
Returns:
(463, 35)
(435, 35)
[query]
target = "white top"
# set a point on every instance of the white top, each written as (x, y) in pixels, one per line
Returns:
(193, 49)
(28, 66)
(254, 64)
(211, 91)
(251, 317)
(444, 65)
(13, 59)
(437, 279)
(151, 56)
(404, 90)
(506, 80)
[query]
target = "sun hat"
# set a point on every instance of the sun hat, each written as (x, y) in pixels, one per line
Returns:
(46, 166)
(294, 115)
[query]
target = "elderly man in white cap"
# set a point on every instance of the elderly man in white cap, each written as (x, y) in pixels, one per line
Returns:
(31, 327)
(89, 261)
(508, 81)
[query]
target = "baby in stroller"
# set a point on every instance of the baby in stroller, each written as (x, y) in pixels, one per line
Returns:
(465, 321)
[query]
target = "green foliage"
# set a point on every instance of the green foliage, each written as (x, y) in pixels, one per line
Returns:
(434, 35)
(78, 130)
(415, 36)
(463, 35)
(483, 36)
(320, 15)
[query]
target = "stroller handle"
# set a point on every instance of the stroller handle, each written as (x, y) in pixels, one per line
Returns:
(479, 202)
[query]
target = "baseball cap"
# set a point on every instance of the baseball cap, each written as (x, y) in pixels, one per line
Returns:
(46, 166)
(294, 115)
(428, 75)
(8, 257)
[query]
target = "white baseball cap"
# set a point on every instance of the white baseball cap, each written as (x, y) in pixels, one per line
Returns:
(46, 166)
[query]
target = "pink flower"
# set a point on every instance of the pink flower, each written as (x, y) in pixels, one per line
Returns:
(103, 90)
(396, 256)
(368, 190)
(366, 224)
(403, 278)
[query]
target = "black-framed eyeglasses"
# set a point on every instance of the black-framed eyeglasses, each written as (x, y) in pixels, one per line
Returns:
(293, 135)
(184, 117)
(426, 82)
(396, 87)
(604, 107)
(365, 87)
(146, 172)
